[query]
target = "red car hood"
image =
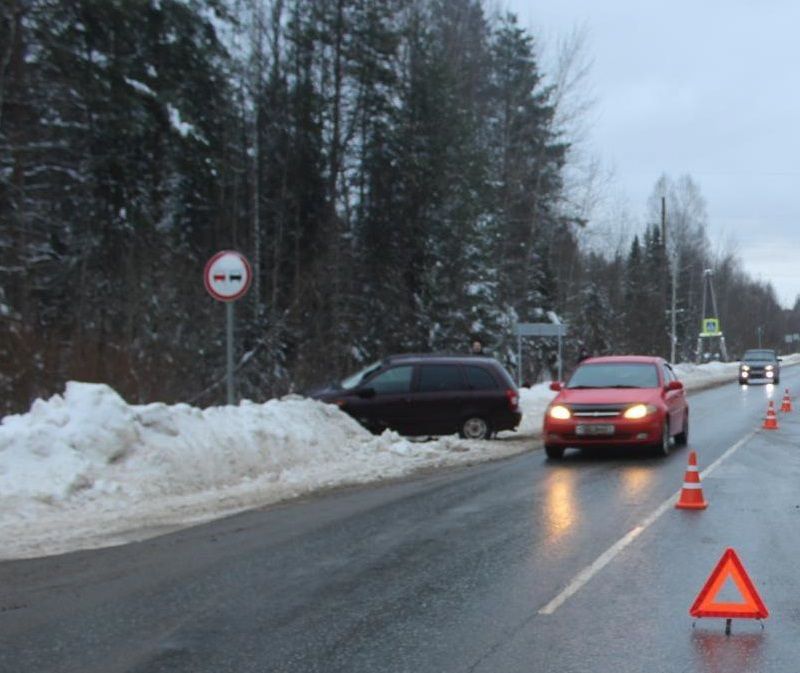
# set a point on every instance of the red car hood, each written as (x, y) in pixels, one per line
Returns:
(608, 396)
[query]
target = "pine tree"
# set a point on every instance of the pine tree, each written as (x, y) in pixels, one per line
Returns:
(527, 160)
(637, 311)
(595, 322)
(656, 278)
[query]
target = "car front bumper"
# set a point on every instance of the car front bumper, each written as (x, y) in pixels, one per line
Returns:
(640, 432)
(758, 374)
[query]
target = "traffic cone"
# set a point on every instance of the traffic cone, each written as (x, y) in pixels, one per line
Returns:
(692, 491)
(786, 405)
(771, 421)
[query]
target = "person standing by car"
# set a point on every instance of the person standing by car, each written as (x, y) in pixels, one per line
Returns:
(476, 348)
(552, 365)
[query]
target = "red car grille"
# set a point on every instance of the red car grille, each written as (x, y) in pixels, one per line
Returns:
(596, 410)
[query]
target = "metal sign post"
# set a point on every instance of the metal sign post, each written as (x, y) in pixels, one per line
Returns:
(227, 277)
(229, 349)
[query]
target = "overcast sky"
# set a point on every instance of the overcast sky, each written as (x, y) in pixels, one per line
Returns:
(706, 88)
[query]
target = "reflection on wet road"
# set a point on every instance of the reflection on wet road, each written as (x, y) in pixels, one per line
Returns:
(738, 653)
(561, 508)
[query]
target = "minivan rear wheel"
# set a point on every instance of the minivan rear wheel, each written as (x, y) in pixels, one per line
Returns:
(475, 427)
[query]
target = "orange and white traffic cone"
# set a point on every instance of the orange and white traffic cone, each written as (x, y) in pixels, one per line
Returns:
(786, 405)
(692, 491)
(771, 421)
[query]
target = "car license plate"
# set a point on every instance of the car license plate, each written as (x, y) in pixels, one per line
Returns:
(595, 429)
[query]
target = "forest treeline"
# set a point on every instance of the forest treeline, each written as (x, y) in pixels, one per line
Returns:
(395, 170)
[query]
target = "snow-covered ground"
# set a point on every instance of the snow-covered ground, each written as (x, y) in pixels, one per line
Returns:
(86, 469)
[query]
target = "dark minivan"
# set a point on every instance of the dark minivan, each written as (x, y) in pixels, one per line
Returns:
(430, 395)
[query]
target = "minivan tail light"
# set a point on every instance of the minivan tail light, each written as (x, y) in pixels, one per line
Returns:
(513, 399)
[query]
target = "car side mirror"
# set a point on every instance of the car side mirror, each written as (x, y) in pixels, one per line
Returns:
(674, 385)
(557, 386)
(366, 393)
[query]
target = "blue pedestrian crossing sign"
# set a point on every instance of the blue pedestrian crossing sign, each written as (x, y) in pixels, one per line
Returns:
(710, 327)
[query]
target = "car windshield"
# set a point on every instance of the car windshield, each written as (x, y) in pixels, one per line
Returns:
(615, 375)
(759, 355)
(352, 381)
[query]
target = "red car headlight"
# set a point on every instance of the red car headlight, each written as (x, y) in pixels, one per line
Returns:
(560, 412)
(639, 411)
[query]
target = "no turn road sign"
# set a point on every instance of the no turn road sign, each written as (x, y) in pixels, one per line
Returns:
(227, 275)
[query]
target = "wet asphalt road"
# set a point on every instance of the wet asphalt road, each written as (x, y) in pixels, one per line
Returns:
(447, 572)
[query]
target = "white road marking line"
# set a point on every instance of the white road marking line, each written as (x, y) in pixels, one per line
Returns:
(590, 571)
(607, 556)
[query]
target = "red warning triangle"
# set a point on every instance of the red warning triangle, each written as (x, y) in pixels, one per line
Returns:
(729, 567)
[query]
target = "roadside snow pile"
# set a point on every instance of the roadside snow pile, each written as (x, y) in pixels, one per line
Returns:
(532, 402)
(699, 376)
(87, 469)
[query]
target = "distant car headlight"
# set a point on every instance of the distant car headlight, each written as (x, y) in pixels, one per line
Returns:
(560, 412)
(745, 375)
(769, 368)
(639, 411)
(745, 368)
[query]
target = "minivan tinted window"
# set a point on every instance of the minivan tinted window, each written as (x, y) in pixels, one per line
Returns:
(394, 380)
(480, 379)
(438, 378)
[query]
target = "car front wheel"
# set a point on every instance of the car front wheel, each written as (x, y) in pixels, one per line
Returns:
(682, 438)
(663, 447)
(554, 452)
(475, 427)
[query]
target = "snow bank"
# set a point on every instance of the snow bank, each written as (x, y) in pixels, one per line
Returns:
(533, 401)
(86, 469)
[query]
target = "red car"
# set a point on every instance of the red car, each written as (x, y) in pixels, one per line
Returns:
(620, 400)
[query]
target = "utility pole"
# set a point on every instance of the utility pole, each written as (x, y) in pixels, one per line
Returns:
(672, 260)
